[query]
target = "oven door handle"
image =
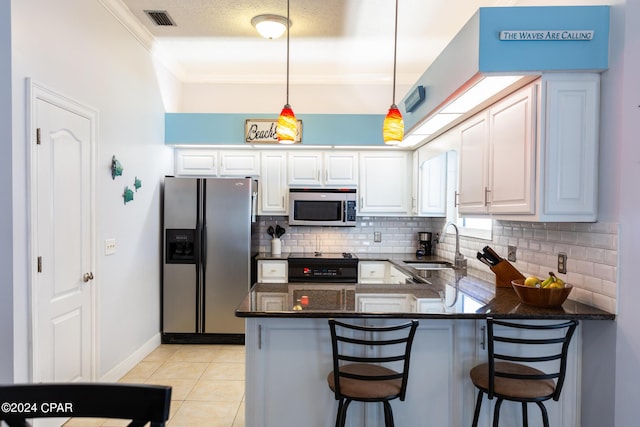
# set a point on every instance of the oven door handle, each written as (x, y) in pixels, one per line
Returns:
(344, 211)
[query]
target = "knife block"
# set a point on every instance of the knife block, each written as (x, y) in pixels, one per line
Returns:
(505, 273)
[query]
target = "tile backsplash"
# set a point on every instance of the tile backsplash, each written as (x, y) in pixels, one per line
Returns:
(591, 248)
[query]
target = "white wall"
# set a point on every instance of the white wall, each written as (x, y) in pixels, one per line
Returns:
(627, 391)
(6, 252)
(305, 99)
(77, 48)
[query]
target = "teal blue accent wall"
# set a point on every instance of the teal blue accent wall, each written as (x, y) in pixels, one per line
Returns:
(317, 129)
(501, 55)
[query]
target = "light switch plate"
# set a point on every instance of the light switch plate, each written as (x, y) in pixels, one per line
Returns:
(377, 236)
(110, 246)
(511, 253)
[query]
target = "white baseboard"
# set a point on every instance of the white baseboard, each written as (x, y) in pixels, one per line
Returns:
(127, 364)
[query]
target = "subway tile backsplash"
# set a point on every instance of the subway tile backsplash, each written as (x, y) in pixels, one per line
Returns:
(591, 248)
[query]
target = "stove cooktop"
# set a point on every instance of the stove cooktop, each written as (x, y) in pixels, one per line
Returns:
(322, 255)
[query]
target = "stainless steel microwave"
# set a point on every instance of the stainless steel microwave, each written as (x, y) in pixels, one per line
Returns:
(322, 207)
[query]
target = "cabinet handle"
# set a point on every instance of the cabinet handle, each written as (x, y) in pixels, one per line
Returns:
(260, 337)
(486, 196)
(318, 176)
(456, 199)
(483, 337)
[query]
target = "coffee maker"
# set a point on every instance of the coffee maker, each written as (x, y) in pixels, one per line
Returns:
(424, 247)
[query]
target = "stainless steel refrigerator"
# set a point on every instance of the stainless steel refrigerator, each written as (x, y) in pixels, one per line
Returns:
(206, 259)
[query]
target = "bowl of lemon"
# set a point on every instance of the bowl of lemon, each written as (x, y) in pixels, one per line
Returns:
(547, 293)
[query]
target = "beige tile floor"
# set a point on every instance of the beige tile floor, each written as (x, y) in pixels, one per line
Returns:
(207, 385)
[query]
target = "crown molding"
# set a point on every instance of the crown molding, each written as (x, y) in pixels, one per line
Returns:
(123, 15)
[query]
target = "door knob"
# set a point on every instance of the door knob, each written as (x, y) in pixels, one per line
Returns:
(87, 276)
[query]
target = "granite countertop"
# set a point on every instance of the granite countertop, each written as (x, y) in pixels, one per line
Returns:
(415, 300)
(431, 294)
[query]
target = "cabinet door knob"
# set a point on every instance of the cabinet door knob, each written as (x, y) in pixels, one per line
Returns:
(87, 276)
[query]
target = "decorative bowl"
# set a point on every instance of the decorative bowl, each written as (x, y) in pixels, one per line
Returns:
(541, 297)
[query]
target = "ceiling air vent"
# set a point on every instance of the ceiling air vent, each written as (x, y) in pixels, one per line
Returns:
(160, 17)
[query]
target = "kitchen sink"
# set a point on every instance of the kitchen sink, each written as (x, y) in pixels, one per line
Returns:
(431, 265)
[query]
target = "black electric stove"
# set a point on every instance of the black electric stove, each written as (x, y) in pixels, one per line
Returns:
(323, 267)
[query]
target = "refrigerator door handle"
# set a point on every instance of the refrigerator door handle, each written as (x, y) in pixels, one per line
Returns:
(203, 246)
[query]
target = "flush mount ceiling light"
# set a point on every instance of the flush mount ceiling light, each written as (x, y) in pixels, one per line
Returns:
(393, 126)
(287, 128)
(270, 26)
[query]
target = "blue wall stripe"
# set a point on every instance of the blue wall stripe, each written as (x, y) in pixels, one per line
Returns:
(317, 129)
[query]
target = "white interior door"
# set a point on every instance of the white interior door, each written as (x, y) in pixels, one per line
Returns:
(61, 236)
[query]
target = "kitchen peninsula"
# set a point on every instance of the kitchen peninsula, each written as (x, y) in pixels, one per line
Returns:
(288, 348)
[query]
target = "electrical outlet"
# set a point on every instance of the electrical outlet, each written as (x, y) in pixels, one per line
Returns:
(562, 263)
(377, 236)
(511, 253)
(110, 246)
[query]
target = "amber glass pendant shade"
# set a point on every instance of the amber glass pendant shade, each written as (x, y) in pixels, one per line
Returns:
(393, 127)
(287, 128)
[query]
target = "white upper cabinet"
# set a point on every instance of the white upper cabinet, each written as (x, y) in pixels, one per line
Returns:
(497, 155)
(569, 147)
(512, 153)
(533, 156)
(305, 168)
(432, 186)
(216, 163)
(273, 190)
(473, 183)
(239, 163)
(312, 168)
(341, 168)
(196, 162)
(384, 184)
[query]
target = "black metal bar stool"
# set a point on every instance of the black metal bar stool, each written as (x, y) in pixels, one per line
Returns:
(511, 372)
(358, 373)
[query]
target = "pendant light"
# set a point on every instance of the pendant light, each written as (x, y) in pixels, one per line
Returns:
(393, 127)
(287, 128)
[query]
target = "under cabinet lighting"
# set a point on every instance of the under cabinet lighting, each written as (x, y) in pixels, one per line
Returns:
(482, 90)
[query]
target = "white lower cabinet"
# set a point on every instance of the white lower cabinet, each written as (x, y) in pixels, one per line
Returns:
(386, 303)
(372, 272)
(272, 271)
(288, 360)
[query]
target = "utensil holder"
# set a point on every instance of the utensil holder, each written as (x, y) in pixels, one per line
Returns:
(505, 273)
(276, 246)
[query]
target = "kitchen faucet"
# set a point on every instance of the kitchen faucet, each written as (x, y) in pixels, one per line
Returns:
(459, 261)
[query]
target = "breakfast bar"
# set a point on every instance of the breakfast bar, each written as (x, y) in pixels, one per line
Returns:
(288, 348)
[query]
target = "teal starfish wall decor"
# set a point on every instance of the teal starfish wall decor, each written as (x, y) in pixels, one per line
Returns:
(127, 195)
(116, 167)
(137, 183)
